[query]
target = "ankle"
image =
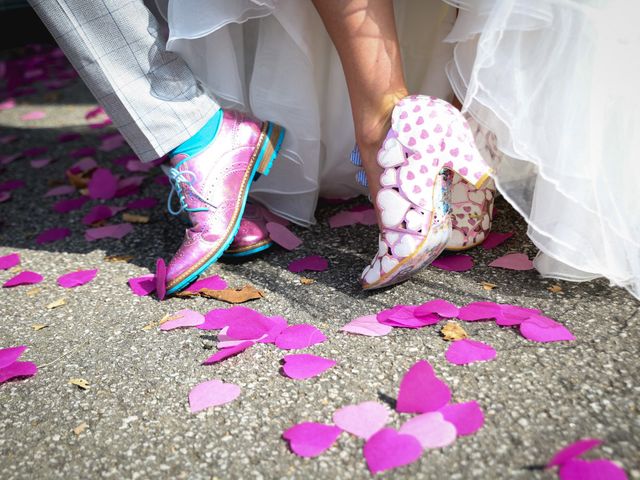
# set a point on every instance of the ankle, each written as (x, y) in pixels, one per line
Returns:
(374, 122)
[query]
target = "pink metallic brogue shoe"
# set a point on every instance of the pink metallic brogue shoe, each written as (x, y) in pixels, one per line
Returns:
(428, 140)
(253, 236)
(212, 188)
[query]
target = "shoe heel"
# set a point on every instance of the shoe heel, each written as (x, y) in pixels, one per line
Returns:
(270, 147)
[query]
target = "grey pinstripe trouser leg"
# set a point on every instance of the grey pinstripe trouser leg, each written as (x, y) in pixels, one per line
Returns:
(150, 94)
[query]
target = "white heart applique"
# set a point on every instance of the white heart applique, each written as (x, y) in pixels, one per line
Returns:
(388, 263)
(405, 247)
(476, 196)
(389, 178)
(459, 193)
(415, 220)
(392, 207)
(391, 154)
(373, 275)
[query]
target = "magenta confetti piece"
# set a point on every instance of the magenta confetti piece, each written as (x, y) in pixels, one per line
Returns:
(8, 104)
(183, 319)
(34, 115)
(367, 325)
(303, 365)
(368, 217)
(7, 159)
(134, 165)
(252, 326)
(283, 236)
(52, 235)
(161, 279)
(18, 370)
(40, 162)
(310, 439)
(421, 391)
(142, 203)
(441, 307)
(61, 190)
(111, 143)
(278, 325)
(465, 351)
(225, 353)
(343, 219)
(10, 355)
(511, 315)
(495, 239)
(389, 449)
(600, 469)
(543, 329)
(10, 185)
(479, 311)
(212, 393)
(573, 450)
(314, 263)
(513, 261)
(69, 137)
(6, 139)
(35, 151)
(94, 112)
(97, 214)
(9, 261)
(467, 417)
(210, 283)
(103, 184)
(363, 419)
(300, 336)
(143, 286)
(5, 196)
(221, 317)
(86, 163)
(402, 316)
(109, 231)
(454, 263)
(23, 278)
(76, 279)
(431, 430)
(225, 341)
(69, 205)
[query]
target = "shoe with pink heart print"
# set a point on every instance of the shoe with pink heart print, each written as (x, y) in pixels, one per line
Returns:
(428, 140)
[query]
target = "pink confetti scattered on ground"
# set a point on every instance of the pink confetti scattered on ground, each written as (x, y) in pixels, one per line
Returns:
(421, 391)
(283, 236)
(10, 355)
(454, 263)
(97, 214)
(511, 315)
(40, 162)
(76, 279)
(302, 366)
(225, 353)
(183, 319)
(573, 450)
(142, 203)
(211, 283)
(465, 351)
(8, 104)
(314, 263)
(479, 311)
(68, 137)
(431, 430)
(10, 185)
(35, 151)
(143, 286)
(85, 164)
(363, 419)
(103, 184)
(252, 326)
(111, 142)
(300, 336)
(9, 261)
(52, 235)
(403, 316)
(212, 393)
(70, 205)
(23, 278)
(441, 307)
(544, 329)
(4, 196)
(367, 325)
(601, 469)
(495, 239)
(94, 112)
(225, 341)
(161, 279)
(343, 219)
(389, 449)
(17, 370)
(61, 190)
(310, 439)
(109, 231)
(221, 317)
(35, 115)
(467, 417)
(513, 261)
(278, 324)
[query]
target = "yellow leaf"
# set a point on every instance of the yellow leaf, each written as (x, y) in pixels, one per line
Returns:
(39, 326)
(80, 383)
(80, 428)
(555, 288)
(58, 303)
(453, 331)
(133, 218)
(488, 286)
(307, 281)
(157, 323)
(118, 258)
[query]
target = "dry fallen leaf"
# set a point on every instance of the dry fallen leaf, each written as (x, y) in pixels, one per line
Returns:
(229, 295)
(16, 269)
(79, 382)
(306, 281)
(32, 292)
(58, 303)
(157, 323)
(80, 428)
(78, 180)
(133, 218)
(118, 258)
(453, 331)
(488, 286)
(39, 326)
(555, 288)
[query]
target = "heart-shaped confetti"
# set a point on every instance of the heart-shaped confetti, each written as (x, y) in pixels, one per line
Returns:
(465, 351)
(301, 336)
(314, 263)
(479, 311)
(23, 278)
(76, 279)
(10, 355)
(467, 417)
(210, 283)
(9, 261)
(454, 263)
(302, 366)
(441, 307)
(310, 439)
(183, 319)
(52, 235)
(513, 261)
(495, 239)
(212, 393)
(18, 370)
(142, 286)
(600, 469)
(70, 204)
(367, 325)
(103, 184)
(431, 429)
(544, 329)
(363, 419)
(225, 353)
(421, 391)
(283, 236)
(389, 449)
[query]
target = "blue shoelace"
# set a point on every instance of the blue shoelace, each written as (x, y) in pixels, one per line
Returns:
(186, 177)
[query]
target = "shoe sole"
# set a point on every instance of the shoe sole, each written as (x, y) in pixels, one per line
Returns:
(263, 163)
(248, 251)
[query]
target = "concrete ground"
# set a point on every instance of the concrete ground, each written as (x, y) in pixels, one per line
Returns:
(536, 397)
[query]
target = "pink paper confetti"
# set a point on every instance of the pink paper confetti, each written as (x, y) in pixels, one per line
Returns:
(10, 185)
(310, 439)
(573, 450)
(40, 162)
(543, 329)
(278, 325)
(8, 104)
(76, 279)
(402, 316)
(441, 307)
(111, 143)
(35, 151)
(97, 214)
(513, 261)
(511, 315)
(161, 279)
(94, 112)
(135, 165)
(465, 351)
(85, 164)
(225, 353)
(314, 263)
(143, 286)
(61, 190)
(363, 419)
(421, 391)
(454, 263)
(343, 219)
(18, 370)
(283, 236)
(252, 326)
(225, 341)
(69, 137)
(479, 311)
(142, 203)
(301, 336)
(466, 417)
(389, 449)
(212, 393)
(10, 355)
(103, 184)
(35, 115)
(302, 366)
(4, 196)
(431, 430)
(52, 235)
(9, 261)
(600, 469)
(210, 283)
(183, 319)
(23, 278)
(69, 205)
(221, 317)
(109, 231)
(367, 325)
(495, 239)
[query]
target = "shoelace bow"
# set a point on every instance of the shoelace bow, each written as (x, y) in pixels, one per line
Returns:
(177, 179)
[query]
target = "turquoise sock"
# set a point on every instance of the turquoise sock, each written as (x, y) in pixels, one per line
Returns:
(201, 139)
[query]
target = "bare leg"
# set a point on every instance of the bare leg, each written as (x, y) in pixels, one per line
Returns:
(364, 33)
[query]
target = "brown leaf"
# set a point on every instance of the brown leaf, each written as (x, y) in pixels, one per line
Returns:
(39, 326)
(488, 286)
(80, 383)
(58, 303)
(78, 180)
(157, 323)
(555, 288)
(118, 258)
(307, 281)
(133, 218)
(229, 295)
(453, 331)
(80, 428)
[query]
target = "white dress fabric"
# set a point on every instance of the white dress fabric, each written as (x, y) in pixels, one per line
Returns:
(555, 80)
